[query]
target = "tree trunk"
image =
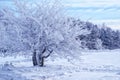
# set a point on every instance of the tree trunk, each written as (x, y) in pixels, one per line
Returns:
(34, 58)
(41, 59)
(38, 58)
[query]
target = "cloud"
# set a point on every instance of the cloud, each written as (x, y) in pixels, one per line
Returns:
(113, 23)
(92, 3)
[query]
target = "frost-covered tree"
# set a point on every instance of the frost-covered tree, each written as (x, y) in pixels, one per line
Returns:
(42, 27)
(39, 24)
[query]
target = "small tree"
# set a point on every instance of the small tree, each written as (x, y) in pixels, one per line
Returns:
(37, 25)
(44, 21)
(44, 28)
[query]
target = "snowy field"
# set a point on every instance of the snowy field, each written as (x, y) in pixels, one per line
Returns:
(94, 65)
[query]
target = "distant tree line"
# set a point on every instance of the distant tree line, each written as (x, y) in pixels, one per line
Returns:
(98, 37)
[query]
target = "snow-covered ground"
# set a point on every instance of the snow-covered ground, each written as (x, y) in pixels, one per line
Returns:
(94, 65)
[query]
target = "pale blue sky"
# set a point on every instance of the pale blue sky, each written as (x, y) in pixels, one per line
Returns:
(96, 11)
